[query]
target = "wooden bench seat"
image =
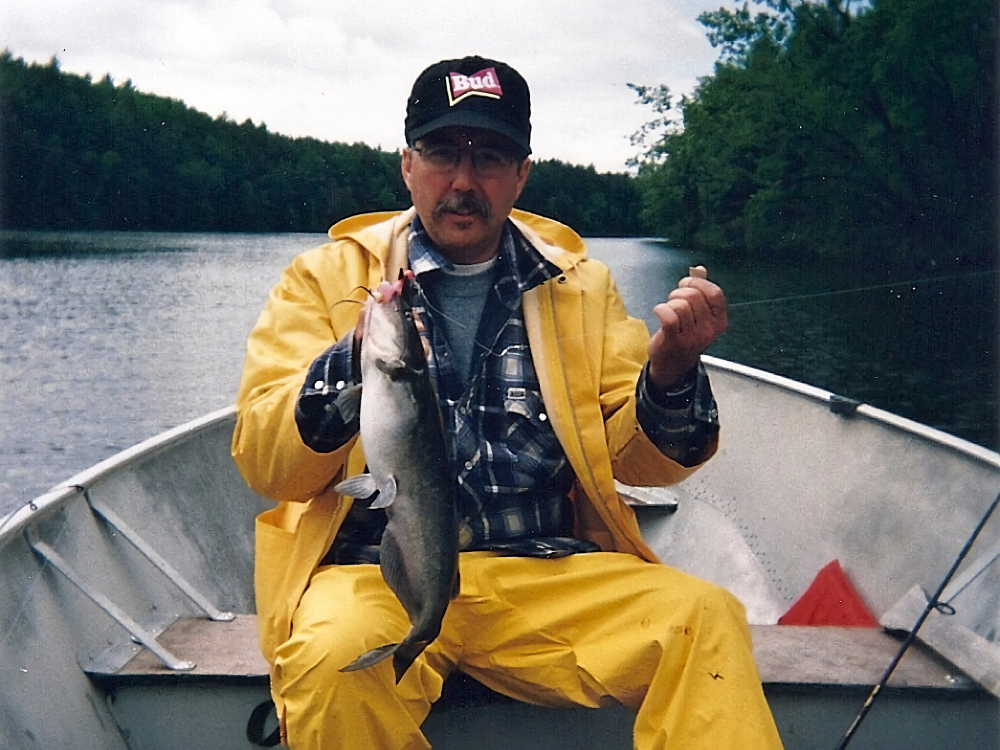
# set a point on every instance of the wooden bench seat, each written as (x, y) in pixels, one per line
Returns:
(784, 655)
(815, 680)
(226, 650)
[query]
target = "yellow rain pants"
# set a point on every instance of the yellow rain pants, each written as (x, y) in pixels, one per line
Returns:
(589, 630)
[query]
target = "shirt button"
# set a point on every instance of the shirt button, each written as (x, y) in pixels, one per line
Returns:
(340, 385)
(542, 417)
(318, 385)
(469, 465)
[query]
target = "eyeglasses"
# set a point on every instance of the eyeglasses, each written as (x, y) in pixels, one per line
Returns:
(487, 161)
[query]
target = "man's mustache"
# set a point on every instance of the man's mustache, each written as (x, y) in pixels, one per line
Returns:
(464, 204)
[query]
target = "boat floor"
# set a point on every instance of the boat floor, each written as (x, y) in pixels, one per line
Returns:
(815, 680)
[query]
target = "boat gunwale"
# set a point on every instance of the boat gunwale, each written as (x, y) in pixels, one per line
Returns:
(15, 522)
(873, 413)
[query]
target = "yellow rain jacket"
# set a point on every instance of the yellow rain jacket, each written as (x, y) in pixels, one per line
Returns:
(588, 355)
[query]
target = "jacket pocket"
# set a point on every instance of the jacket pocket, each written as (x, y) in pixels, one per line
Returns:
(275, 548)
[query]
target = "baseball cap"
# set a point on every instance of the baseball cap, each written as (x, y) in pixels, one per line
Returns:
(473, 92)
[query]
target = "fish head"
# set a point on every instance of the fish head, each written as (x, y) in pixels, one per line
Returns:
(390, 327)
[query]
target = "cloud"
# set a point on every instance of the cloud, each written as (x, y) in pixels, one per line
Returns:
(342, 71)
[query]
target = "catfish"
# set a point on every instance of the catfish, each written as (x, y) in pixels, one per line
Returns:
(403, 437)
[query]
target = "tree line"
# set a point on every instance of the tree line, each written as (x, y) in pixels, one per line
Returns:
(79, 154)
(848, 129)
(862, 130)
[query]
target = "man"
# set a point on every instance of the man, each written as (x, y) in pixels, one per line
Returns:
(547, 399)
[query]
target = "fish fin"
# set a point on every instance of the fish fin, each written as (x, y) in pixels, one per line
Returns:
(394, 369)
(386, 496)
(348, 403)
(370, 658)
(404, 657)
(359, 486)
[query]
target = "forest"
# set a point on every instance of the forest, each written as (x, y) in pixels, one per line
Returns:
(862, 130)
(844, 129)
(79, 154)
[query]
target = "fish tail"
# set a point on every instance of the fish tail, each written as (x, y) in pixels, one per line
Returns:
(372, 657)
(404, 656)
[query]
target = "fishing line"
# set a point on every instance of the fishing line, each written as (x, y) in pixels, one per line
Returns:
(465, 327)
(854, 290)
(934, 603)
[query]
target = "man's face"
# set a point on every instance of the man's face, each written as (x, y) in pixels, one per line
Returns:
(463, 183)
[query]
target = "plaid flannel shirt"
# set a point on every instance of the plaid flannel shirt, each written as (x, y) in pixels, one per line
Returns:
(512, 475)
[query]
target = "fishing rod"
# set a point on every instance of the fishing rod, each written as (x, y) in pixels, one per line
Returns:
(934, 603)
(854, 290)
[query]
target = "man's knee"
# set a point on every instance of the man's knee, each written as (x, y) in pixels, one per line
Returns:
(316, 655)
(719, 602)
(339, 618)
(718, 619)
(700, 604)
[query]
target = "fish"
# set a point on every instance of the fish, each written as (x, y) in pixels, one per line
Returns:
(402, 433)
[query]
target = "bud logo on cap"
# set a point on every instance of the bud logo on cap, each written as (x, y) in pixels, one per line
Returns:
(483, 83)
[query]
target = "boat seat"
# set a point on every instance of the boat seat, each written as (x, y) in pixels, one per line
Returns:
(785, 656)
(811, 675)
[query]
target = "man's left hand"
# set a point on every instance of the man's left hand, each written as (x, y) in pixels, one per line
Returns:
(693, 316)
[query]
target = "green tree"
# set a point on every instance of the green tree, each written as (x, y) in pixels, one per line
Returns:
(80, 154)
(825, 129)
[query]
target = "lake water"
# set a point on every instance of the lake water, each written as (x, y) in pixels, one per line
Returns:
(109, 338)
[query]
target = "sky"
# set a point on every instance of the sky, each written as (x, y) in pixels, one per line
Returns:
(342, 71)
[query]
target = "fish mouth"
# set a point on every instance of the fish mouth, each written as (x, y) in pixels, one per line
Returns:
(464, 205)
(401, 289)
